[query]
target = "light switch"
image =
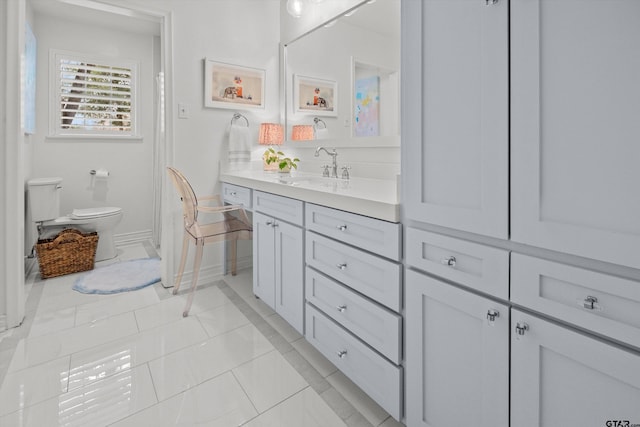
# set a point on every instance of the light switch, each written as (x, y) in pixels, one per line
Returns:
(183, 111)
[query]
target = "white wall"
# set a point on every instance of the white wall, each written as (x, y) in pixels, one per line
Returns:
(3, 144)
(129, 161)
(242, 32)
(12, 293)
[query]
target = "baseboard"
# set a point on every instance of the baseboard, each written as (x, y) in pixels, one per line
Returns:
(124, 239)
(29, 266)
(211, 274)
(241, 263)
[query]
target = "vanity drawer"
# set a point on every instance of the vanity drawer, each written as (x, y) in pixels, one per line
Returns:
(379, 327)
(604, 304)
(371, 275)
(476, 266)
(374, 235)
(236, 195)
(284, 208)
(379, 378)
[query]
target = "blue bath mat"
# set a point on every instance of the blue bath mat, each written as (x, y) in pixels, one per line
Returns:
(120, 277)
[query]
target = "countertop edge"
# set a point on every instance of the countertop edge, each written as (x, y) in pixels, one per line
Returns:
(371, 208)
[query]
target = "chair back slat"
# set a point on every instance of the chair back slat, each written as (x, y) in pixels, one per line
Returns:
(188, 196)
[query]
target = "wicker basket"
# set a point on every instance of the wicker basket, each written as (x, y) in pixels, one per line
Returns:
(69, 252)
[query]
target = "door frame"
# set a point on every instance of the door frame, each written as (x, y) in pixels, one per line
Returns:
(12, 204)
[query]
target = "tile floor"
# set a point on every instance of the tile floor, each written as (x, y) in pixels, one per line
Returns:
(131, 359)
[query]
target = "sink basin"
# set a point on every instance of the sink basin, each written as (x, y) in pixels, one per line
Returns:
(300, 180)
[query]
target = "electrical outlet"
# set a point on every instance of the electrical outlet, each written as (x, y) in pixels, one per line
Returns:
(183, 111)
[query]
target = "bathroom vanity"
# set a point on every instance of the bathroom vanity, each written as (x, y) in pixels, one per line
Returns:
(327, 257)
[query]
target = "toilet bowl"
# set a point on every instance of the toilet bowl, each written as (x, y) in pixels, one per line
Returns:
(100, 220)
(44, 202)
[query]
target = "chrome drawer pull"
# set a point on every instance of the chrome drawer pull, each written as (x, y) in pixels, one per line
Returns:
(521, 328)
(451, 261)
(342, 227)
(342, 266)
(341, 308)
(269, 223)
(590, 303)
(233, 193)
(342, 353)
(490, 2)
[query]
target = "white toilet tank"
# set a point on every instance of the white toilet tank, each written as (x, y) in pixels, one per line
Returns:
(44, 198)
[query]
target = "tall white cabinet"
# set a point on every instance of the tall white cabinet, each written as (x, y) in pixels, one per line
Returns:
(521, 154)
(455, 117)
(575, 127)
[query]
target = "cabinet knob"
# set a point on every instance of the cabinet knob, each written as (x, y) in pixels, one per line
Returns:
(491, 2)
(492, 314)
(342, 266)
(521, 328)
(342, 227)
(269, 223)
(451, 261)
(342, 353)
(341, 308)
(233, 193)
(590, 302)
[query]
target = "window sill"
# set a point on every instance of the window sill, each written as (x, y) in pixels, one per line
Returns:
(96, 137)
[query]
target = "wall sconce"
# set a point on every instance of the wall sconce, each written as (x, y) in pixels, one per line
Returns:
(270, 134)
(302, 133)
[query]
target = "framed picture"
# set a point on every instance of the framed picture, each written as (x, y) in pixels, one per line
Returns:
(232, 86)
(315, 96)
(366, 120)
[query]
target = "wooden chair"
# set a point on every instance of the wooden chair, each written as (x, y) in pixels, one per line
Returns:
(228, 228)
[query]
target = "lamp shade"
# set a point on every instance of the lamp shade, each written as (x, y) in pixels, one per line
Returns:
(302, 133)
(271, 134)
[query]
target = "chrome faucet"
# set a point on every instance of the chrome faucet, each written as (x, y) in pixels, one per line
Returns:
(333, 154)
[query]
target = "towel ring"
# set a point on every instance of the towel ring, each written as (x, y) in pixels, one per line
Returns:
(237, 116)
(317, 122)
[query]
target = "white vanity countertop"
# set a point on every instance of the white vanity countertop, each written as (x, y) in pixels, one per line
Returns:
(376, 198)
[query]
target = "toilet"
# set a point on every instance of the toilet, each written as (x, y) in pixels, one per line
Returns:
(44, 202)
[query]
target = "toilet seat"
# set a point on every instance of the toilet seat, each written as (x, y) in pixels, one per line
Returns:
(89, 213)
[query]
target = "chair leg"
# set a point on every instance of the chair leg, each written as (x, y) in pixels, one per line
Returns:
(194, 281)
(234, 256)
(183, 260)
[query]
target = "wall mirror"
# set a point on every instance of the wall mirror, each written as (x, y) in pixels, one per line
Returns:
(342, 79)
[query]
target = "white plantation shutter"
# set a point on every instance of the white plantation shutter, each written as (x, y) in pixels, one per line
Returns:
(93, 96)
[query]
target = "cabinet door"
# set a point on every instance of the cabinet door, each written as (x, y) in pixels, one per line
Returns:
(264, 259)
(562, 378)
(575, 99)
(457, 359)
(289, 273)
(455, 114)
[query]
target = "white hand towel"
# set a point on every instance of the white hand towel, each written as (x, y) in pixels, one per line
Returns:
(239, 144)
(322, 133)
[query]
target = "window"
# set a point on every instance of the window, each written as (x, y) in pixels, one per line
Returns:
(92, 96)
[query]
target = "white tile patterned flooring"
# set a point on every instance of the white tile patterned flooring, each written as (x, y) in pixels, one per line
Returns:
(131, 359)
